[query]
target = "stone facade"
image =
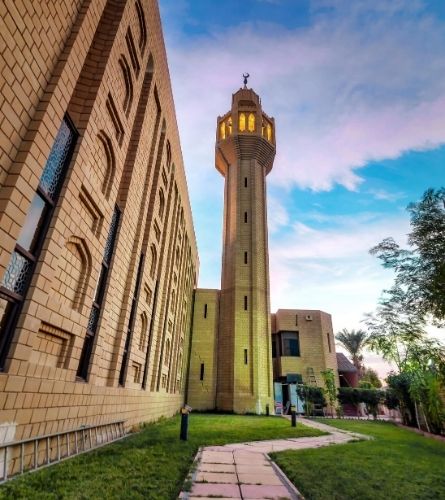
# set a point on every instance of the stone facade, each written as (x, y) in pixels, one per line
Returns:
(203, 358)
(98, 257)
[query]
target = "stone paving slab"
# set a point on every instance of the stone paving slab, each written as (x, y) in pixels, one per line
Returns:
(255, 478)
(216, 477)
(249, 469)
(209, 467)
(215, 489)
(217, 457)
(249, 491)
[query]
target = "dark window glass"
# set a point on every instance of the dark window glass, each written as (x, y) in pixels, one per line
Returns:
(108, 252)
(17, 273)
(329, 342)
(245, 302)
(54, 168)
(205, 310)
(291, 344)
(201, 374)
(93, 320)
(33, 223)
(245, 217)
(245, 356)
(245, 257)
(245, 182)
(7, 307)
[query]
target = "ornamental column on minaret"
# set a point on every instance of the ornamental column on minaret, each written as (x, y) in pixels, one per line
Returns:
(244, 154)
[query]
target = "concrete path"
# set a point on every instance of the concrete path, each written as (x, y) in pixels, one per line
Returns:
(245, 471)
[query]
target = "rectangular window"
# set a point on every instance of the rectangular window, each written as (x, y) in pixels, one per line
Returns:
(87, 350)
(245, 302)
(205, 310)
(245, 217)
(296, 320)
(201, 374)
(290, 343)
(15, 282)
(245, 257)
(329, 342)
(245, 356)
(245, 182)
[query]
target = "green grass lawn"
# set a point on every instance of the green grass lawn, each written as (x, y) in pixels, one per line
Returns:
(397, 464)
(151, 464)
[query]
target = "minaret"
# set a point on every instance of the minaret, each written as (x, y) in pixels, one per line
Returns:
(245, 150)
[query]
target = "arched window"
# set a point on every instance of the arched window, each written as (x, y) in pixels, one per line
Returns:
(128, 98)
(251, 124)
(179, 366)
(167, 352)
(142, 25)
(161, 203)
(269, 132)
(154, 261)
(229, 125)
(169, 154)
(222, 130)
(242, 122)
(143, 331)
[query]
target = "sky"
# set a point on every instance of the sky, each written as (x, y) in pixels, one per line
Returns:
(357, 90)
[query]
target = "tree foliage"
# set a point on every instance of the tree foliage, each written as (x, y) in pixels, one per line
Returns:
(354, 342)
(371, 378)
(355, 395)
(397, 327)
(330, 390)
(420, 270)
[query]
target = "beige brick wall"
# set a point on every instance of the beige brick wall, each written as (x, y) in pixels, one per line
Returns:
(316, 352)
(68, 58)
(201, 394)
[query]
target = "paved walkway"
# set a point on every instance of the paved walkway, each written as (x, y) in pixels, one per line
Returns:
(245, 471)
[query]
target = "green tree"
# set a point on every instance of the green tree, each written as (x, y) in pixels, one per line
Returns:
(354, 342)
(394, 330)
(370, 377)
(397, 332)
(330, 389)
(420, 270)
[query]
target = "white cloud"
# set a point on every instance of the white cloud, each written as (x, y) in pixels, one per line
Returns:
(277, 214)
(343, 91)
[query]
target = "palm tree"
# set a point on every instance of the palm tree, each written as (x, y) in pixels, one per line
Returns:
(354, 342)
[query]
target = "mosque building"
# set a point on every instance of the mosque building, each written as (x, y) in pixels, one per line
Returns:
(100, 315)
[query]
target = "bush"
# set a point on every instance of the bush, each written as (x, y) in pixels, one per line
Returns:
(312, 396)
(356, 395)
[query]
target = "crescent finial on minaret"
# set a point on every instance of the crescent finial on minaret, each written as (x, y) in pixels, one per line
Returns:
(245, 76)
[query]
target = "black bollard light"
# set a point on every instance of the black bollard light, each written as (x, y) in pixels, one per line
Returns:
(185, 411)
(293, 416)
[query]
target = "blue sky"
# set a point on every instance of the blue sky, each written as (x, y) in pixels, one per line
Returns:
(357, 89)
